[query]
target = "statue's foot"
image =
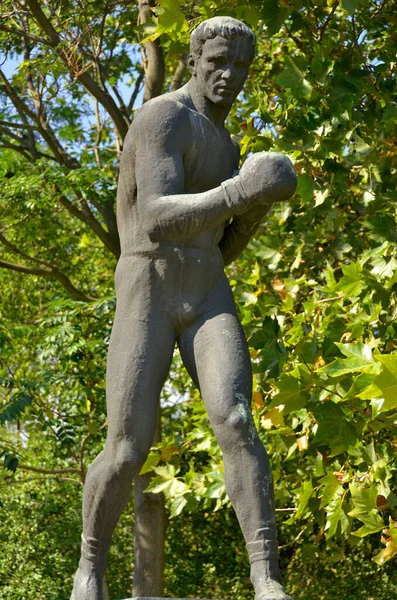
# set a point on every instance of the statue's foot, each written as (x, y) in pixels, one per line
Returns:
(270, 589)
(266, 579)
(88, 585)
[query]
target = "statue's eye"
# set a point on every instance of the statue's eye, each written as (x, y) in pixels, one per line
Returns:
(217, 60)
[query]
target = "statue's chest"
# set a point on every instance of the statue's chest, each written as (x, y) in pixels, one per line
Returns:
(211, 157)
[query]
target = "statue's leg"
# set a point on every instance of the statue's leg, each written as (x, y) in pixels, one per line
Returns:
(139, 358)
(215, 353)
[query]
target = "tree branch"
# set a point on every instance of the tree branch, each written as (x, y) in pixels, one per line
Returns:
(155, 67)
(294, 540)
(16, 481)
(21, 149)
(85, 215)
(20, 32)
(51, 272)
(18, 125)
(179, 73)
(136, 91)
(78, 70)
(14, 136)
(43, 127)
(48, 471)
(29, 83)
(22, 269)
(99, 129)
(22, 254)
(327, 21)
(109, 239)
(69, 287)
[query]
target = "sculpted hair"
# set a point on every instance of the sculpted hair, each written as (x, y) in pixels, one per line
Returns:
(226, 27)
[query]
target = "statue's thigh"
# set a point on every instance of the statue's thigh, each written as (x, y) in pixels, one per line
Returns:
(215, 352)
(139, 358)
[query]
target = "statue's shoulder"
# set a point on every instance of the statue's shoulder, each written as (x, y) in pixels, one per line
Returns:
(161, 115)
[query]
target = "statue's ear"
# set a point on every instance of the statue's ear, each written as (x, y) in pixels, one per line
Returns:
(191, 63)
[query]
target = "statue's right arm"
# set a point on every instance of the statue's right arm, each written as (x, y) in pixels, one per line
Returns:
(162, 133)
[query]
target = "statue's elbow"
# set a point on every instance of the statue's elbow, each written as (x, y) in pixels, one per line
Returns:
(149, 216)
(153, 231)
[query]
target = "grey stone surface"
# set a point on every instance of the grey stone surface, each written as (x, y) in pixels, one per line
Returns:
(183, 212)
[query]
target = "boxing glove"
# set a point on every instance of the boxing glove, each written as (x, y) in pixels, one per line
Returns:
(264, 178)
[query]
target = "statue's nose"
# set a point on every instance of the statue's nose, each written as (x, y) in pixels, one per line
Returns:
(229, 72)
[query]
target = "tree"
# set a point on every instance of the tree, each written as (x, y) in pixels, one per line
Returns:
(315, 289)
(26, 129)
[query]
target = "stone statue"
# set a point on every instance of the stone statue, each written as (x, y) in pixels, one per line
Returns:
(183, 212)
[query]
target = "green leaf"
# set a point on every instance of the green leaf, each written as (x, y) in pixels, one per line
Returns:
(164, 481)
(171, 15)
(289, 78)
(306, 90)
(372, 524)
(152, 461)
(391, 544)
(390, 114)
(305, 187)
(177, 505)
(215, 490)
(273, 16)
(15, 407)
(352, 281)
(350, 6)
(171, 21)
(360, 383)
(306, 492)
(364, 509)
(359, 358)
(332, 486)
(385, 384)
(336, 516)
(251, 16)
(290, 394)
(10, 462)
(334, 428)
(360, 351)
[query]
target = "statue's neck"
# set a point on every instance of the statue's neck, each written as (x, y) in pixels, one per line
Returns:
(216, 113)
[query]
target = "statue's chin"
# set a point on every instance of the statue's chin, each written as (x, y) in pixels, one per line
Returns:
(225, 100)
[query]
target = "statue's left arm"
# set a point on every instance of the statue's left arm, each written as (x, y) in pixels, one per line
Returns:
(239, 232)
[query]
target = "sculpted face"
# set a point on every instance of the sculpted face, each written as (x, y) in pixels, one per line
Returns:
(222, 68)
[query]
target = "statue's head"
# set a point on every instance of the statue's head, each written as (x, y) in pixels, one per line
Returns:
(221, 51)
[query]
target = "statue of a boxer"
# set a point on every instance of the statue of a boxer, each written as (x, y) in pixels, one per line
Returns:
(182, 214)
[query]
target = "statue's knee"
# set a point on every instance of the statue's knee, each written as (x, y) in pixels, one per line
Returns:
(126, 458)
(238, 427)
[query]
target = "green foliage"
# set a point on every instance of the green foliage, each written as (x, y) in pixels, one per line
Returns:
(316, 287)
(315, 290)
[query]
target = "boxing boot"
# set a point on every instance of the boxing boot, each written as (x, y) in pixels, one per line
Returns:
(265, 572)
(89, 578)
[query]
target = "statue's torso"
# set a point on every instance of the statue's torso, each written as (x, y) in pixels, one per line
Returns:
(190, 267)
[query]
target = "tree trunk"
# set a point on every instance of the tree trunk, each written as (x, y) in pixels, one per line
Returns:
(149, 535)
